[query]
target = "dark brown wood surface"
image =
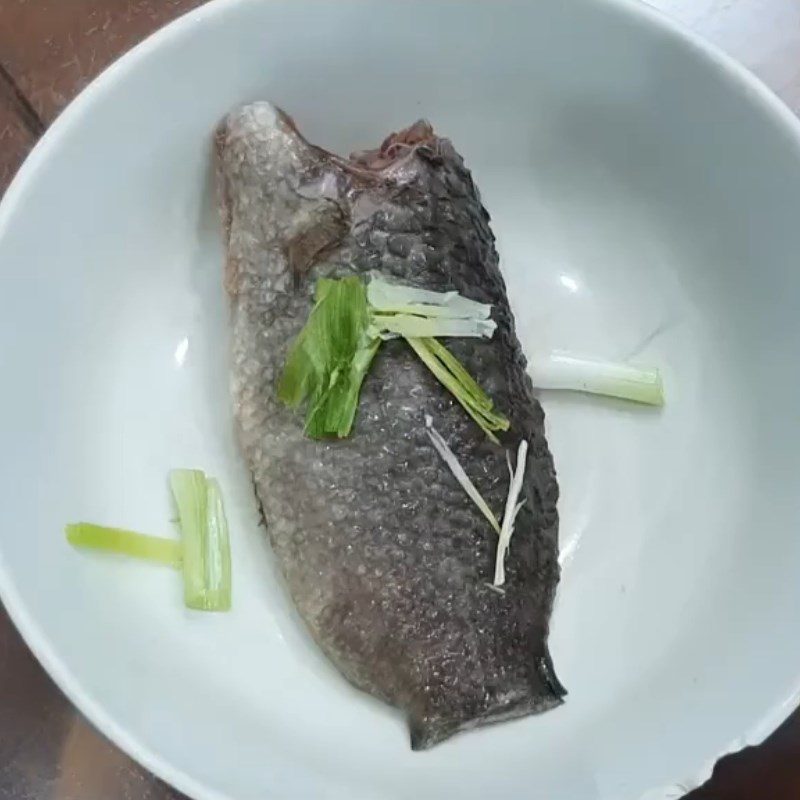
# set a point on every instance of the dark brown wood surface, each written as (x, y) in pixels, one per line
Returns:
(49, 50)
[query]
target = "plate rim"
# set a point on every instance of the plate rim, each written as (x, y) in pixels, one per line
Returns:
(752, 89)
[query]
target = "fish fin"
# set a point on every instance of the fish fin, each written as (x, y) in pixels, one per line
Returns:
(427, 732)
(225, 204)
(544, 693)
(262, 515)
(547, 673)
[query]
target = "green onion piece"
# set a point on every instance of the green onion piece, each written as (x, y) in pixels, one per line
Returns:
(454, 377)
(427, 327)
(623, 381)
(329, 359)
(394, 298)
(479, 397)
(407, 311)
(449, 458)
(218, 551)
(510, 515)
(206, 547)
(127, 543)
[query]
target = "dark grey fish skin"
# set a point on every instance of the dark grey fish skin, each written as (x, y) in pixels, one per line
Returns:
(387, 560)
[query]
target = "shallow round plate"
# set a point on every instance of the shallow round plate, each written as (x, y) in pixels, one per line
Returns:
(645, 193)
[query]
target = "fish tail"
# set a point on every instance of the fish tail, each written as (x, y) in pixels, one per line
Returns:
(547, 673)
(425, 733)
(544, 692)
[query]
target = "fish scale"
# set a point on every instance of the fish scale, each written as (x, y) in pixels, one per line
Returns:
(386, 558)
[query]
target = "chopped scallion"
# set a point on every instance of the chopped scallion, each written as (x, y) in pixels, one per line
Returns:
(127, 543)
(449, 458)
(330, 357)
(452, 375)
(512, 509)
(623, 381)
(206, 547)
(426, 327)
(386, 297)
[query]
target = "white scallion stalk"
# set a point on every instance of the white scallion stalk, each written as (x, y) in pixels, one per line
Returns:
(449, 458)
(396, 299)
(420, 327)
(218, 560)
(206, 547)
(623, 381)
(512, 509)
(397, 310)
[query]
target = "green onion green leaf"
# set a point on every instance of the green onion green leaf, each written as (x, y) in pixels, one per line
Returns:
(454, 377)
(329, 359)
(127, 543)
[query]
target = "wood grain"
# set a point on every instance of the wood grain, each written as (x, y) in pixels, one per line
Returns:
(16, 138)
(53, 48)
(768, 772)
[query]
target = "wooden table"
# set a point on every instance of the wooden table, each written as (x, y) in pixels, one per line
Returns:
(49, 49)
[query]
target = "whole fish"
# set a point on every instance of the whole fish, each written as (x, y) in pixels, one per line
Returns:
(388, 561)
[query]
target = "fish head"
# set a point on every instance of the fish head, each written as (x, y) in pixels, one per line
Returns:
(297, 189)
(300, 201)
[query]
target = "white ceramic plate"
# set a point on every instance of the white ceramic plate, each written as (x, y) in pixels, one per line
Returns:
(645, 194)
